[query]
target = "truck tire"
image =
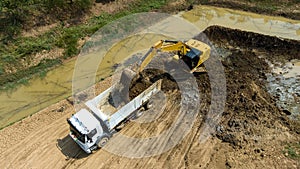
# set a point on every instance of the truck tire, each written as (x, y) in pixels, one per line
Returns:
(149, 105)
(102, 141)
(136, 115)
(140, 112)
(120, 126)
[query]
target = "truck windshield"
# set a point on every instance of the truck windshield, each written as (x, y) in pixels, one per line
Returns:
(91, 134)
(77, 134)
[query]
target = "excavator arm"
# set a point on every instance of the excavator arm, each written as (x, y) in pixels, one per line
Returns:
(164, 46)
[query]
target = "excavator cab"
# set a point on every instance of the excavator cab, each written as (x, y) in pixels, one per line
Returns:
(192, 57)
(199, 52)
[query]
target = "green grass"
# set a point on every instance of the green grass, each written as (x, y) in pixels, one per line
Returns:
(293, 151)
(1, 70)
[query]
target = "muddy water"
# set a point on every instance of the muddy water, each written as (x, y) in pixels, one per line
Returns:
(57, 84)
(204, 16)
(284, 84)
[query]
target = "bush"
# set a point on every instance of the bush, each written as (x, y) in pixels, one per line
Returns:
(83, 4)
(50, 4)
(1, 70)
(15, 13)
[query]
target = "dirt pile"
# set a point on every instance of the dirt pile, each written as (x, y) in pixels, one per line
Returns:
(278, 49)
(251, 121)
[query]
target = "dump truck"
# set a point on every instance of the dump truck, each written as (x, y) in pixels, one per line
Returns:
(93, 126)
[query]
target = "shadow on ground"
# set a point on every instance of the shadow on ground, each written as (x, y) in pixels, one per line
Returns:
(70, 149)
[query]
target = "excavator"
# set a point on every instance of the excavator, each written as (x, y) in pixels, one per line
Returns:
(192, 52)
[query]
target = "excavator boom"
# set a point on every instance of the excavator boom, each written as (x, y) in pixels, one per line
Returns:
(162, 45)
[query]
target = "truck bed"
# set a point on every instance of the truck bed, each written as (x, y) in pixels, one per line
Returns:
(112, 116)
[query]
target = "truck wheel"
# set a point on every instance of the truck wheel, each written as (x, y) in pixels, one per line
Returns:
(149, 105)
(139, 113)
(103, 141)
(120, 126)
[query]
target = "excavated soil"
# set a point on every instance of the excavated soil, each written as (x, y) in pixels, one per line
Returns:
(252, 132)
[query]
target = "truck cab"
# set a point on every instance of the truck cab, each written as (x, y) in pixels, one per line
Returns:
(86, 129)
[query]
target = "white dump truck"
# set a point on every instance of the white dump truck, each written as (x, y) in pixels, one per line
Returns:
(92, 127)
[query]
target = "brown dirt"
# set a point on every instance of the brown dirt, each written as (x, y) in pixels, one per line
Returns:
(252, 132)
(110, 7)
(284, 8)
(287, 8)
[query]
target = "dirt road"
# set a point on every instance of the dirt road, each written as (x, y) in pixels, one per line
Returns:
(252, 133)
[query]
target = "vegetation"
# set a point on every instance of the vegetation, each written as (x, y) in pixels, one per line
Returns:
(16, 14)
(293, 151)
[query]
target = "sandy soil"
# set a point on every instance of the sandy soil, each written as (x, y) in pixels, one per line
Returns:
(252, 132)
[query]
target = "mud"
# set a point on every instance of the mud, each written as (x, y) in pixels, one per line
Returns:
(205, 16)
(283, 84)
(246, 76)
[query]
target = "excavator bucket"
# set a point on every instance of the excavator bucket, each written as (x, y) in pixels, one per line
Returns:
(127, 76)
(120, 92)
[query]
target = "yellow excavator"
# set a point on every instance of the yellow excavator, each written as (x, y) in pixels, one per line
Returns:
(192, 52)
